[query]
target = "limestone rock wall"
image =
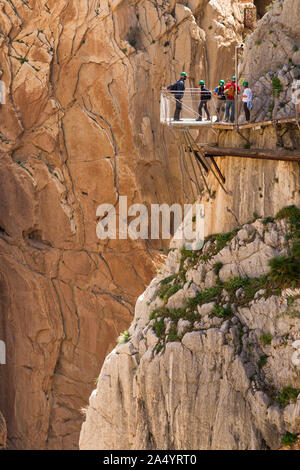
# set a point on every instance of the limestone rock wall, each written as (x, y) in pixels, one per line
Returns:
(81, 127)
(252, 186)
(203, 371)
(271, 62)
(208, 357)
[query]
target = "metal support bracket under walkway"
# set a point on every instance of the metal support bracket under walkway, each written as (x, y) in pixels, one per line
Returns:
(202, 156)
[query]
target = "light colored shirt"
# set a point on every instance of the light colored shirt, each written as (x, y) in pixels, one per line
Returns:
(247, 95)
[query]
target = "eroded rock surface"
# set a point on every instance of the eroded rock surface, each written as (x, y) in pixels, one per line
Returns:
(80, 127)
(271, 62)
(208, 372)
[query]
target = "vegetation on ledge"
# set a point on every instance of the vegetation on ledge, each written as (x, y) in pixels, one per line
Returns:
(240, 291)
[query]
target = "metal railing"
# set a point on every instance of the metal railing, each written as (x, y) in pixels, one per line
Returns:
(190, 104)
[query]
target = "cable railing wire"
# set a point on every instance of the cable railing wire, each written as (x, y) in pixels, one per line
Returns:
(190, 103)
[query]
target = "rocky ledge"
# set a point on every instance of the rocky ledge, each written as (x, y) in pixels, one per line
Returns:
(209, 360)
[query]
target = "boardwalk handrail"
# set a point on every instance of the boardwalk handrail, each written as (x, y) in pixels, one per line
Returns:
(190, 103)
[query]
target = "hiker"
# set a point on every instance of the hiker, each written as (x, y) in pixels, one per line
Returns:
(179, 88)
(247, 100)
(205, 96)
(230, 99)
(219, 93)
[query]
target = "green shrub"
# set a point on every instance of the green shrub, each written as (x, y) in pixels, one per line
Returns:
(173, 335)
(267, 220)
(285, 270)
(221, 311)
(221, 240)
(158, 347)
(192, 256)
(265, 338)
(217, 267)
(287, 394)
(276, 87)
(236, 283)
(168, 279)
(166, 291)
(289, 439)
(292, 213)
(250, 287)
(204, 297)
(159, 328)
(262, 361)
(124, 337)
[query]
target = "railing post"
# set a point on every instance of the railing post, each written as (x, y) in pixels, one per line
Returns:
(236, 87)
(236, 104)
(2, 352)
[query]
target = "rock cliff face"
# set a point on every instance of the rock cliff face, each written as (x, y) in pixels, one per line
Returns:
(81, 127)
(208, 362)
(211, 345)
(271, 62)
(254, 186)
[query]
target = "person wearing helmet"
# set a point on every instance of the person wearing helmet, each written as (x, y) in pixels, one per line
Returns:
(205, 96)
(247, 100)
(230, 90)
(219, 93)
(178, 91)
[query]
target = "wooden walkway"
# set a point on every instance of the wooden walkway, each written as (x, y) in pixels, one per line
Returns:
(201, 156)
(192, 123)
(208, 150)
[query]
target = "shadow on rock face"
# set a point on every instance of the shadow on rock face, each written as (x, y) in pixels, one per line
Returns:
(261, 6)
(3, 432)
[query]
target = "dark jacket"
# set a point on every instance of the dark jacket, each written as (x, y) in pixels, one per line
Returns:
(205, 94)
(178, 86)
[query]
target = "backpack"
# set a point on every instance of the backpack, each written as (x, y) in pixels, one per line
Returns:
(173, 87)
(220, 91)
(231, 91)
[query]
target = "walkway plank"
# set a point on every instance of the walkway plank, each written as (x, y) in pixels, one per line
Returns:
(187, 123)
